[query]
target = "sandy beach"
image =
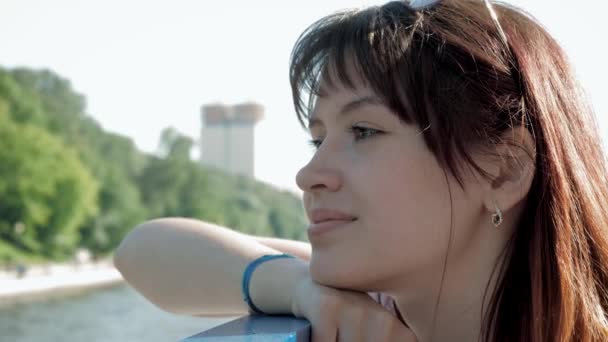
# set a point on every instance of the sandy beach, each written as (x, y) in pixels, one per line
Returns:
(57, 277)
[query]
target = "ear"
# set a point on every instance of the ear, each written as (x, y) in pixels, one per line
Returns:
(511, 169)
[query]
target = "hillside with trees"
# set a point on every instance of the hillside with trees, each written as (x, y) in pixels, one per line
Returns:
(65, 183)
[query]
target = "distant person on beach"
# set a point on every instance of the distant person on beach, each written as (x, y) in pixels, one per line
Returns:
(458, 191)
(20, 270)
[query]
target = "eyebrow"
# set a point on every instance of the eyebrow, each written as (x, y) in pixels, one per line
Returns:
(349, 108)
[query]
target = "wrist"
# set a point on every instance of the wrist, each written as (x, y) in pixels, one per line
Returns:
(272, 285)
(297, 293)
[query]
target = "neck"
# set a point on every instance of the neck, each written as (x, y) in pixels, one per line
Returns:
(451, 306)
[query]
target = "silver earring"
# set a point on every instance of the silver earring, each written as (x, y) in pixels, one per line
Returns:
(497, 216)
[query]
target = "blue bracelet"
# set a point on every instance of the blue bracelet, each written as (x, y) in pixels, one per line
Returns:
(247, 277)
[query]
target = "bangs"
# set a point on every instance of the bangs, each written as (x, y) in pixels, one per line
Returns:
(370, 46)
(441, 68)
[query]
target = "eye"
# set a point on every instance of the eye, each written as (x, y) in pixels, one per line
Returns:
(359, 133)
(315, 143)
(362, 133)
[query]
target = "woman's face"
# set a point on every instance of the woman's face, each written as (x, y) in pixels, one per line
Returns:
(371, 166)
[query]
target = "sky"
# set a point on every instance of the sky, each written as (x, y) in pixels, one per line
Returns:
(147, 65)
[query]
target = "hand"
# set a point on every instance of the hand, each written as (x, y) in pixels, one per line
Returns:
(346, 316)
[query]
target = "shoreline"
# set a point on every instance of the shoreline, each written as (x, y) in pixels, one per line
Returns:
(57, 278)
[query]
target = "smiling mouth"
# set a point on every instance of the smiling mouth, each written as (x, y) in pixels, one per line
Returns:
(322, 227)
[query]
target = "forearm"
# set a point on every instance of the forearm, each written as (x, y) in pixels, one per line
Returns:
(299, 249)
(192, 267)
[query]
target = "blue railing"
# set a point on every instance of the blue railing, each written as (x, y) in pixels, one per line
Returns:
(257, 328)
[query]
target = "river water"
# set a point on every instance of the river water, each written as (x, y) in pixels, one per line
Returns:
(115, 313)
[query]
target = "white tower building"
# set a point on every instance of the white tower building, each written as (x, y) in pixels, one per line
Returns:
(227, 136)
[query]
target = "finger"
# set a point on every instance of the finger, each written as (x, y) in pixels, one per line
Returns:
(352, 326)
(404, 335)
(397, 331)
(387, 328)
(351, 333)
(323, 333)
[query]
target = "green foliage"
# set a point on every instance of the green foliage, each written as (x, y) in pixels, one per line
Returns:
(175, 186)
(112, 159)
(65, 182)
(175, 146)
(121, 209)
(45, 190)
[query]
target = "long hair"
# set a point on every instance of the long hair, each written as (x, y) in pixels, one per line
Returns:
(446, 69)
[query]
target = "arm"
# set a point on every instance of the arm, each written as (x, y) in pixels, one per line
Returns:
(299, 249)
(192, 267)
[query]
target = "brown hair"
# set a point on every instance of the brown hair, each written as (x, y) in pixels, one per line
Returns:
(446, 69)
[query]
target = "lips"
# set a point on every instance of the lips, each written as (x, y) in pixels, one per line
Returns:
(322, 215)
(324, 221)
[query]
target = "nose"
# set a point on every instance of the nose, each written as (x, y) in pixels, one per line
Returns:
(321, 173)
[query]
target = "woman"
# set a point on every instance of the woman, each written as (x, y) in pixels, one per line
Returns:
(458, 180)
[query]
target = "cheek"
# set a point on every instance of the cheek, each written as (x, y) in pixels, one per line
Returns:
(403, 230)
(409, 205)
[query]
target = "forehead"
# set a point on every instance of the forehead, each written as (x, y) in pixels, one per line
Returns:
(340, 74)
(337, 89)
(339, 100)
(341, 109)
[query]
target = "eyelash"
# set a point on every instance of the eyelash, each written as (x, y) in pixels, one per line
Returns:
(367, 131)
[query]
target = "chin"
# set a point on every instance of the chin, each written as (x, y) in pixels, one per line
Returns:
(335, 274)
(325, 271)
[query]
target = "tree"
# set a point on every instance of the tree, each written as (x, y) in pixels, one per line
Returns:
(120, 210)
(46, 191)
(65, 181)
(174, 145)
